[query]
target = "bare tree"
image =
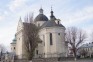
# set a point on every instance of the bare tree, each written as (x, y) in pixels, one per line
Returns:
(2, 49)
(75, 37)
(29, 18)
(31, 38)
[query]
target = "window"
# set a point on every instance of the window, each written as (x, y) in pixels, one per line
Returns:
(37, 52)
(51, 39)
(14, 48)
(44, 39)
(58, 33)
(58, 22)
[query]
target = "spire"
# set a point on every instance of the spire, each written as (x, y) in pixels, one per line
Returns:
(52, 17)
(20, 19)
(52, 11)
(41, 10)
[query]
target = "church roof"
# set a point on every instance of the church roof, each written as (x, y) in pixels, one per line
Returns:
(14, 41)
(41, 16)
(51, 24)
(87, 45)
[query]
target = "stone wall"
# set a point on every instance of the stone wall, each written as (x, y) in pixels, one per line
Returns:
(45, 60)
(21, 60)
(61, 60)
(55, 60)
(78, 61)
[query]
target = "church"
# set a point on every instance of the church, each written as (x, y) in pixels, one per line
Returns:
(52, 34)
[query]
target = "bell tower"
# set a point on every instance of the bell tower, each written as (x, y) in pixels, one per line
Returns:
(52, 17)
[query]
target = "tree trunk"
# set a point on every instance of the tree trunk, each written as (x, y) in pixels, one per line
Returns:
(75, 56)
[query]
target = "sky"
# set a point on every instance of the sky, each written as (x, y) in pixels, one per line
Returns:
(78, 13)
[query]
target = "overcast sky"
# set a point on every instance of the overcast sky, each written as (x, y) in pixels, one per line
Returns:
(77, 13)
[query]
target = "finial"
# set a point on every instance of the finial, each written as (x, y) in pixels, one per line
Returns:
(51, 12)
(20, 19)
(41, 6)
(41, 10)
(52, 17)
(51, 7)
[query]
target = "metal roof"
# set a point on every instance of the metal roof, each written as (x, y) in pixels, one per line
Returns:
(51, 24)
(41, 17)
(89, 45)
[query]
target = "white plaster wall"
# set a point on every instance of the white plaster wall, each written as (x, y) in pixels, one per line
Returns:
(58, 46)
(39, 23)
(12, 48)
(19, 44)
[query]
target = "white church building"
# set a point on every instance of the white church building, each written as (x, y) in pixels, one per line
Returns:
(52, 34)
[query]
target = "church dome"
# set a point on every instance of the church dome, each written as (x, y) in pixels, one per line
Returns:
(41, 16)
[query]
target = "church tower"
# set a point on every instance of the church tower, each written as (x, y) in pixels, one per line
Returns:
(19, 40)
(52, 17)
(13, 46)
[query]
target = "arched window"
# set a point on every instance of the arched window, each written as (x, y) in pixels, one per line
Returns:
(37, 52)
(51, 43)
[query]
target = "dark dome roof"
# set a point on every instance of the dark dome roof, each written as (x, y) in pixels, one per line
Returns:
(41, 17)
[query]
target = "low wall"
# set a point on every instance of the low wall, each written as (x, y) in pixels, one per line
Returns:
(21, 60)
(61, 60)
(45, 60)
(78, 61)
(55, 60)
